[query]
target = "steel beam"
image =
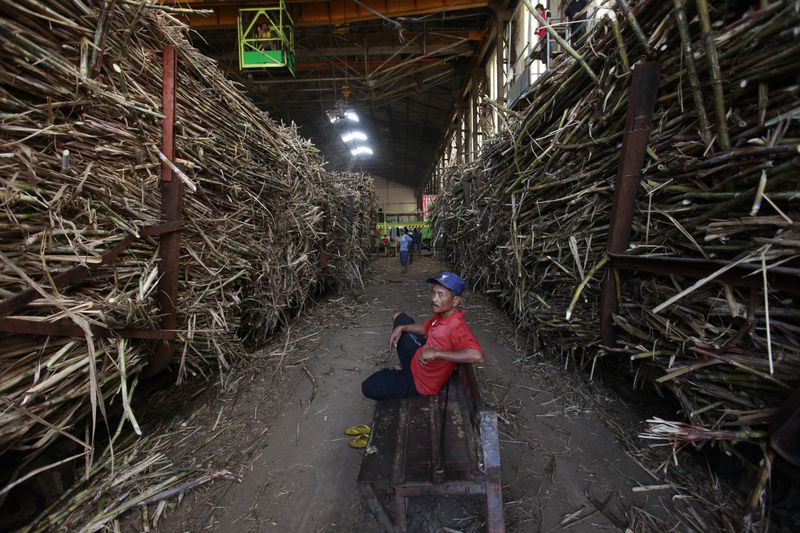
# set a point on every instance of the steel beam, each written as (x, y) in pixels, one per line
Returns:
(499, 71)
(66, 328)
(779, 278)
(463, 49)
(171, 209)
(474, 110)
(448, 488)
(638, 122)
(319, 13)
(81, 272)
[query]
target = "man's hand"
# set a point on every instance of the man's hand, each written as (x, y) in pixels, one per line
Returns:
(425, 355)
(394, 336)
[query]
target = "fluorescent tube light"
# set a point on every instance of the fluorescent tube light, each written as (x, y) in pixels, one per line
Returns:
(361, 150)
(354, 136)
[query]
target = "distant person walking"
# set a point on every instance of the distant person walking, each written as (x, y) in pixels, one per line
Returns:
(405, 243)
(417, 241)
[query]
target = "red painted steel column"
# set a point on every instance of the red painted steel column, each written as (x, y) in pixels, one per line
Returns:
(639, 121)
(171, 209)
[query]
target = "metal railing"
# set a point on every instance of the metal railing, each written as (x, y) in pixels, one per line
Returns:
(534, 60)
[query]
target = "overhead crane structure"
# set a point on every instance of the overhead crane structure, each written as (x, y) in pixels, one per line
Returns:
(438, 63)
(399, 64)
(316, 13)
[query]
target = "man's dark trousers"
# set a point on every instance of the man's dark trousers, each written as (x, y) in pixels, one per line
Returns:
(390, 383)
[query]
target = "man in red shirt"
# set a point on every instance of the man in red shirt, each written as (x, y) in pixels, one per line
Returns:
(544, 38)
(428, 352)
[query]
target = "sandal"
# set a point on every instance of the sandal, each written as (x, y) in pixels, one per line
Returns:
(360, 429)
(358, 442)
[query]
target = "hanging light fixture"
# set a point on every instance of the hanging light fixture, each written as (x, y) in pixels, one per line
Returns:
(361, 150)
(354, 136)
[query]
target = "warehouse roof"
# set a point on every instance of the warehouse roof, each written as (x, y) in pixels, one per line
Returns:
(398, 67)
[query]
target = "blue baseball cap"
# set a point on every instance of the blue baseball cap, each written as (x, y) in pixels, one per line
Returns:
(451, 281)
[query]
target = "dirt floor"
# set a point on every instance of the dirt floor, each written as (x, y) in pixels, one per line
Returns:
(276, 426)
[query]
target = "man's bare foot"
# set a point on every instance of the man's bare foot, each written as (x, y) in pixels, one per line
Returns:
(395, 313)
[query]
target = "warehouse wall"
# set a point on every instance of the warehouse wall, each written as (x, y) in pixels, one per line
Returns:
(509, 65)
(393, 196)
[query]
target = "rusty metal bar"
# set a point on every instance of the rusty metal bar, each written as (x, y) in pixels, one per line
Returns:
(490, 443)
(81, 272)
(399, 468)
(779, 278)
(171, 208)
(437, 438)
(638, 122)
(66, 328)
(319, 13)
(374, 504)
(400, 511)
(324, 256)
(426, 488)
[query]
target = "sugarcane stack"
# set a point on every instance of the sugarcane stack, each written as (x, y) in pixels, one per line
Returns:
(528, 220)
(353, 202)
(80, 100)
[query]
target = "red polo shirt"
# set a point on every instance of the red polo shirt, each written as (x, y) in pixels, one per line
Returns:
(446, 334)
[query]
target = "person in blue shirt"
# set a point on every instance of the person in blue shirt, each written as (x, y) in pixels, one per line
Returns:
(405, 244)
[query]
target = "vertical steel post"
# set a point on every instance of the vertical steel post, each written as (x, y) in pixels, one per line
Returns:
(323, 247)
(459, 131)
(171, 209)
(490, 443)
(469, 141)
(474, 110)
(500, 92)
(639, 121)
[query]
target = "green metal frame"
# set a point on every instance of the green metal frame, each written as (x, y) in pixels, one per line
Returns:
(256, 51)
(384, 227)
